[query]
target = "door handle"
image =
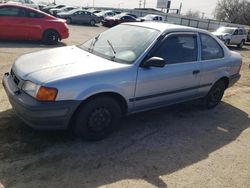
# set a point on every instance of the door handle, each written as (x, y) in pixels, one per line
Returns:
(196, 71)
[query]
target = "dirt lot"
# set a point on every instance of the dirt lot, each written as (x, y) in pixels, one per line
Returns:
(179, 146)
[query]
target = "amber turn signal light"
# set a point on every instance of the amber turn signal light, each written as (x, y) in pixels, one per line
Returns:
(46, 94)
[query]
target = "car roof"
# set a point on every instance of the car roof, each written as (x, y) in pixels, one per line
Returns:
(163, 27)
(19, 6)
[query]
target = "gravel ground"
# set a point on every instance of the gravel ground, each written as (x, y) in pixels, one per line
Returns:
(178, 146)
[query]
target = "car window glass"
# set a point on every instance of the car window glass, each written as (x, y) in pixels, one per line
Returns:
(33, 14)
(240, 32)
(178, 49)
(11, 11)
(210, 48)
(236, 32)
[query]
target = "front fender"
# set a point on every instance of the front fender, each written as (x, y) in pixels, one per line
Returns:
(103, 88)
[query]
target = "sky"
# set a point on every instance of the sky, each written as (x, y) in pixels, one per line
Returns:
(206, 6)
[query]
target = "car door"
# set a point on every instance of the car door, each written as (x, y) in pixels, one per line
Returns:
(13, 23)
(76, 17)
(212, 60)
(235, 37)
(177, 81)
(35, 24)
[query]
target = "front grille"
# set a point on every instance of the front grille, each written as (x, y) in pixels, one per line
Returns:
(14, 77)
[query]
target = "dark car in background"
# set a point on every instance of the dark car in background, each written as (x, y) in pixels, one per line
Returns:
(80, 17)
(117, 19)
(23, 23)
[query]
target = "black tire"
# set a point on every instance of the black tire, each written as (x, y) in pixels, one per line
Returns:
(227, 42)
(241, 44)
(50, 37)
(215, 94)
(97, 118)
(69, 21)
(92, 22)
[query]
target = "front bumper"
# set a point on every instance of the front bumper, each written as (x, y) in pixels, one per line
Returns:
(39, 115)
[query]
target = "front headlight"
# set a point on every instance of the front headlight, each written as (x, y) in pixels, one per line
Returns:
(30, 88)
(41, 93)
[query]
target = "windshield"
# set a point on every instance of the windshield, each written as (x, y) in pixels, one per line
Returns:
(225, 30)
(123, 43)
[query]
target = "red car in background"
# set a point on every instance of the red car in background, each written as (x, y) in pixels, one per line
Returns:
(23, 23)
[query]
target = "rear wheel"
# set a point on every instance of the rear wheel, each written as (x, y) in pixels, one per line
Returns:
(50, 37)
(215, 95)
(97, 118)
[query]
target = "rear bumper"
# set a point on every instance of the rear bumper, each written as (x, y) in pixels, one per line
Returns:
(39, 115)
(233, 79)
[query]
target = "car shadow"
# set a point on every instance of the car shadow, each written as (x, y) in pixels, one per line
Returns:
(28, 44)
(147, 146)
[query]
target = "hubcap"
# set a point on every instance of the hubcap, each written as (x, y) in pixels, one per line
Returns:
(52, 37)
(99, 120)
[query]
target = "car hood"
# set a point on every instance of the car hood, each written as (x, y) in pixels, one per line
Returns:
(220, 34)
(60, 63)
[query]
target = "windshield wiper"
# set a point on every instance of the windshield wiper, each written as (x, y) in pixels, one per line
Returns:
(92, 45)
(113, 50)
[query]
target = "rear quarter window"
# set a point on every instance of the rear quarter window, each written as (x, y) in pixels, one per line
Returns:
(210, 48)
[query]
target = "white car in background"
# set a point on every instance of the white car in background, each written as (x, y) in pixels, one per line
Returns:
(28, 3)
(232, 35)
(152, 17)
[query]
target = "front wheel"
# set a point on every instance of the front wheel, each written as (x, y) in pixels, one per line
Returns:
(50, 37)
(97, 118)
(241, 44)
(227, 42)
(215, 95)
(69, 21)
(92, 22)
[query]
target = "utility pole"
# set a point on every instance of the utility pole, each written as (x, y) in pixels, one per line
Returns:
(93, 3)
(180, 8)
(140, 3)
(144, 4)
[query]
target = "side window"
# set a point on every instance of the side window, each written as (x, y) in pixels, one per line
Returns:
(240, 32)
(179, 48)
(33, 14)
(236, 32)
(210, 48)
(12, 11)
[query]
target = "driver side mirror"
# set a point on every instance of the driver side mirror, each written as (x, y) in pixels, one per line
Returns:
(154, 62)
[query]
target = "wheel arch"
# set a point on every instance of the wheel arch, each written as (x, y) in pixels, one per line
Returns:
(116, 96)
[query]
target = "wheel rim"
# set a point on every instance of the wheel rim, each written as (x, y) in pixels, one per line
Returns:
(92, 22)
(68, 21)
(99, 120)
(52, 37)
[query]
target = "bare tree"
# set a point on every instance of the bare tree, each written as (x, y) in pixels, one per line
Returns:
(193, 14)
(233, 11)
